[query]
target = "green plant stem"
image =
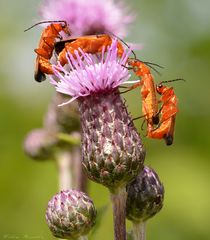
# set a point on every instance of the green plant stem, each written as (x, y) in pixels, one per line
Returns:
(80, 179)
(72, 140)
(64, 161)
(83, 238)
(119, 213)
(139, 230)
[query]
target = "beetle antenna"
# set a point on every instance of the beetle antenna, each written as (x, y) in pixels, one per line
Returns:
(173, 80)
(63, 21)
(129, 47)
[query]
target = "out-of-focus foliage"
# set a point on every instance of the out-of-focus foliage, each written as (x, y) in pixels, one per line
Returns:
(175, 34)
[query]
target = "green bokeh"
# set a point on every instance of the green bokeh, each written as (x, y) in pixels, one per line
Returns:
(175, 34)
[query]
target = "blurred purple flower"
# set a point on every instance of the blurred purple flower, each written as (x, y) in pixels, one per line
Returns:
(89, 17)
(91, 74)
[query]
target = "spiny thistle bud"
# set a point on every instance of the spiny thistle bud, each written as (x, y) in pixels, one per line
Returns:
(65, 119)
(145, 196)
(70, 214)
(39, 144)
(112, 150)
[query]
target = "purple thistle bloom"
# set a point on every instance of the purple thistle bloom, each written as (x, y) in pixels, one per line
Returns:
(89, 17)
(112, 150)
(89, 74)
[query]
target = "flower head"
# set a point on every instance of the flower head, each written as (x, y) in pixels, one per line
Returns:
(70, 214)
(89, 74)
(112, 150)
(89, 17)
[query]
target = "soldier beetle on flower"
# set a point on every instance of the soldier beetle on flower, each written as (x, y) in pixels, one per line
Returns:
(168, 111)
(164, 117)
(148, 91)
(46, 46)
(92, 44)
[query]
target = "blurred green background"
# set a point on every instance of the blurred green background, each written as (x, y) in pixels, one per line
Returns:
(175, 34)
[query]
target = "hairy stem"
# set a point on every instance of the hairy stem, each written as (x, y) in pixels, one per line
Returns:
(80, 177)
(70, 170)
(64, 159)
(119, 213)
(83, 238)
(139, 230)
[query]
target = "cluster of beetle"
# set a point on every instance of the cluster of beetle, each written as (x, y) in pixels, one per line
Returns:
(158, 113)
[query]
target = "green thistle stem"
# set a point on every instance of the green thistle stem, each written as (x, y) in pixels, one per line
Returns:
(64, 159)
(70, 172)
(80, 178)
(68, 139)
(119, 213)
(139, 230)
(83, 238)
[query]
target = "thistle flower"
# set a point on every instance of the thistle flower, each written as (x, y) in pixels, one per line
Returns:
(70, 214)
(145, 196)
(112, 149)
(90, 75)
(89, 17)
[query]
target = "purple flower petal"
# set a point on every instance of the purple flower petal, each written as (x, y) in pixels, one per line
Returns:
(90, 74)
(90, 17)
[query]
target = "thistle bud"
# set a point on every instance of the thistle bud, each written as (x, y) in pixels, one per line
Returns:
(70, 214)
(65, 119)
(145, 196)
(112, 150)
(39, 144)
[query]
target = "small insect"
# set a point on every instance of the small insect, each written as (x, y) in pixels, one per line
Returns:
(46, 46)
(148, 91)
(168, 112)
(92, 44)
(164, 131)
